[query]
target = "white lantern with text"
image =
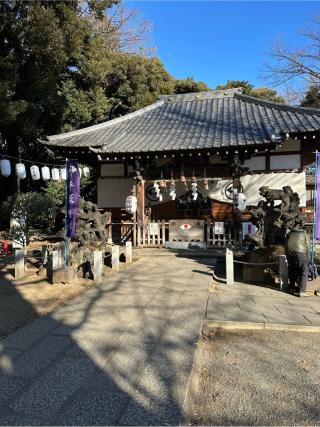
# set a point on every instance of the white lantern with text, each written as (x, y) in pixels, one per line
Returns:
(35, 172)
(55, 174)
(21, 171)
(131, 204)
(45, 173)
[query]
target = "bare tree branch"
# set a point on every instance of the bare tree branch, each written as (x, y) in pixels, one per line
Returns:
(121, 28)
(287, 64)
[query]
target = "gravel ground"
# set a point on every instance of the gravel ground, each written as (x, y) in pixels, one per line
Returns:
(258, 378)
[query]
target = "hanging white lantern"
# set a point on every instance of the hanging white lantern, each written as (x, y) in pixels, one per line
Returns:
(45, 173)
(21, 171)
(131, 204)
(35, 172)
(55, 174)
(63, 174)
(5, 167)
(86, 172)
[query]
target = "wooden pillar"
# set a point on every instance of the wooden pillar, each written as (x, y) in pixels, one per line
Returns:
(141, 201)
(140, 209)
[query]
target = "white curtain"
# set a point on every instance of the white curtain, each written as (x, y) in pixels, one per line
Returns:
(250, 183)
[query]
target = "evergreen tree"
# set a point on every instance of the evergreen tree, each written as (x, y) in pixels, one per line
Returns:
(257, 92)
(312, 98)
(47, 52)
(189, 85)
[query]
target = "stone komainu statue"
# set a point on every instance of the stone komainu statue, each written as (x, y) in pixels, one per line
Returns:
(92, 234)
(275, 215)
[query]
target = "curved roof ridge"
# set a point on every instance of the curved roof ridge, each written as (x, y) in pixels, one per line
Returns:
(200, 96)
(272, 104)
(105, 124)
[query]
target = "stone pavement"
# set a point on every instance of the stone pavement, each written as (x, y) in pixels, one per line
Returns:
(243, 303)
(119, 354)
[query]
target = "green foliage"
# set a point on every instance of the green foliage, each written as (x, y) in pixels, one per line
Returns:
(312, 98)
(267, 94)
(38, 210)
(232, 84)
(257, 92)
(83, 106)
(61, 69)
(88, 189)
(189, 85)
(49, 56)
(56, 191)
(135, 81)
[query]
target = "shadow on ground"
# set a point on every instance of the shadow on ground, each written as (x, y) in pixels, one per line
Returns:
(119, 354)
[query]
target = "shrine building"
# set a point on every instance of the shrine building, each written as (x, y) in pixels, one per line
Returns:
(186, 156)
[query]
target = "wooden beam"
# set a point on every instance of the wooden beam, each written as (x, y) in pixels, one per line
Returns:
(141, 201)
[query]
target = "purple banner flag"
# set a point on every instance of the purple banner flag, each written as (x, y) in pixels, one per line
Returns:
(317, 195)
(73, 194)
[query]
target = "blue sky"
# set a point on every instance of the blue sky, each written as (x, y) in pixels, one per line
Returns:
(218, 41)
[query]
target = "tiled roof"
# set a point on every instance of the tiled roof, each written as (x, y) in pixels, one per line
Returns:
(204, 120)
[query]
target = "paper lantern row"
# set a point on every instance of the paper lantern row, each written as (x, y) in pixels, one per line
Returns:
(55, 174)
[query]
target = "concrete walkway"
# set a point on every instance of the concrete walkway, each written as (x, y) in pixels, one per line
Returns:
(119, 354)
(243, 305)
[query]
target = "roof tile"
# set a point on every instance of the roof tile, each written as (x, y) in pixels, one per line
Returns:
(194, 121)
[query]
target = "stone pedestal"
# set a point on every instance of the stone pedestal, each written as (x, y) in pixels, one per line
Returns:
(62, 275)
(115, 254)
(97, 265)
(57, 273)
(128, 252)
(19, 268)
(229, 267)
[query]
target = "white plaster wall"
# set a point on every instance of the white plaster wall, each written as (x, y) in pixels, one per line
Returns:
(113, 192)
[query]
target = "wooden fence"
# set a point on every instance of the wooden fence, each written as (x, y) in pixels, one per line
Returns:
(153, 234)
(230, 235)
(156, 233)
(121, 232)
